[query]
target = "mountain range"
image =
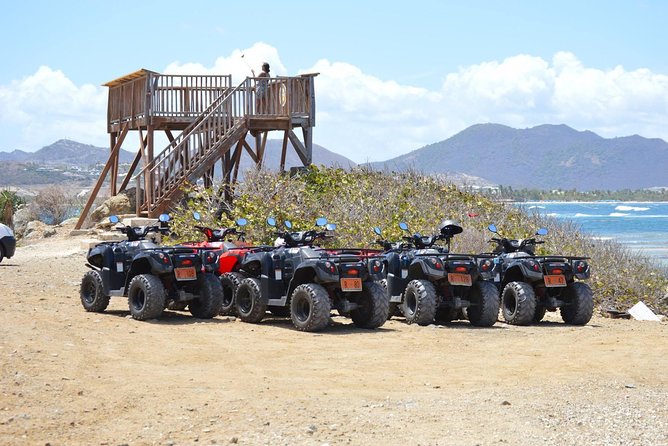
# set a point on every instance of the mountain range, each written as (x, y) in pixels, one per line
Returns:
(65, 152)
(543, 157)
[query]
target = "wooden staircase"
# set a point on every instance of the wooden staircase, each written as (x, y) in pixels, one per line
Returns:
(215, 120)
(191, 154)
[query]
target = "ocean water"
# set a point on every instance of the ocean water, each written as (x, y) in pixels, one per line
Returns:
(641, 226)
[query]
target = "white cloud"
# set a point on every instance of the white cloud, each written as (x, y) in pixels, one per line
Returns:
(366, 117)
(46, 106)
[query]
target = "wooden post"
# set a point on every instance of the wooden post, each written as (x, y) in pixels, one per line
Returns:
(284, 150)
(103, 176)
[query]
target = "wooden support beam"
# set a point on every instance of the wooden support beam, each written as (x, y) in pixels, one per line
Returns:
(237, 156)
(252, 154)
(103, 176)
(260, 150)
(284, 150)
(128, 175)
(114, 166)
(304, 155)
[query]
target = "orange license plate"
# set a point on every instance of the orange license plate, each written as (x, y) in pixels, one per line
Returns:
(459, 279)
(351, 284)
(555, 280)
(185, 273)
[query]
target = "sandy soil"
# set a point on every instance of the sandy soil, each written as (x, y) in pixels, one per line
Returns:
(69, 377)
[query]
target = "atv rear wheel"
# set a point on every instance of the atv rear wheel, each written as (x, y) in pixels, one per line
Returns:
(310, 307)
(92, 292)
(250, 305)
(419, 302)
(580, 304)
(207, 305)
(373, 307)
(484, 309)
(146, 297)
(539, 314)
(518, 303)
(230, 283)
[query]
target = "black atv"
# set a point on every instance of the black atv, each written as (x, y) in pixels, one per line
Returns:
(532, 284)
(305, 282)
(428, 282)
(152, 277)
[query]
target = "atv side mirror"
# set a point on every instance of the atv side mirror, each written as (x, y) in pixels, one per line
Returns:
(271, 221)
(322, 221)
(287, 224)
(164, 218)
(541, 231)
(114, 219)
(378, 232)
(492, 228)
(403, 226)
(197, 216)
(241, 222)
(330, 226)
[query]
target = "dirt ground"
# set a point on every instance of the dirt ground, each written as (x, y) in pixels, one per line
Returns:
(68, 377)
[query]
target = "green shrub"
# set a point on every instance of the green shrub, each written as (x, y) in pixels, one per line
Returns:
(360, 199)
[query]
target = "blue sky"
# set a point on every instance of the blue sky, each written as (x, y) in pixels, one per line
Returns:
(393, 78)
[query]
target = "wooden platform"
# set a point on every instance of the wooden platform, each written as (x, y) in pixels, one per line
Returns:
(214, 119)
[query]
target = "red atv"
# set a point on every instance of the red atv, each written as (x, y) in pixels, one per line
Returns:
(230, 254)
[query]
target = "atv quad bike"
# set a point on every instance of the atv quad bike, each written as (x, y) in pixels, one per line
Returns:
(430, 283)
(532, 284)
(306, 282)
(151, 277)
(230, 254)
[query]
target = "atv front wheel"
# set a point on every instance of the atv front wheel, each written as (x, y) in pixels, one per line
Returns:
(92, 292)
(518, 303)
(310, 307)
(580, 304)
(484, 309)
(419, 303)
(230, 283)
(250, 305)
(373, 307)
(210, 298)
(146, 297)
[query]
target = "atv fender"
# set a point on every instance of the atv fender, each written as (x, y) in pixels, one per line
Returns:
(101, 256)
(527, 274)
(144, 263)
(312, 273)
(422, 268)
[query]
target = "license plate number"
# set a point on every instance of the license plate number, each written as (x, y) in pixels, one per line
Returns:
(351, 284)
(554, 280)
(459, 279)
(185, 273)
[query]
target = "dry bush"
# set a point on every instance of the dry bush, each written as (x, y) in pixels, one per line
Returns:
(53, 205)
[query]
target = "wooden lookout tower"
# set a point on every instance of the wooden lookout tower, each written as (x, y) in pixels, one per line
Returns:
(214, 119)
